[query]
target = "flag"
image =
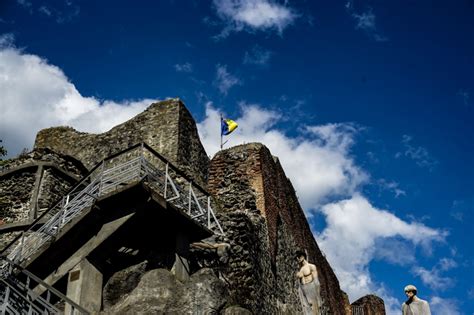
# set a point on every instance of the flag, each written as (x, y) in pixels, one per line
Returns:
(227, 126)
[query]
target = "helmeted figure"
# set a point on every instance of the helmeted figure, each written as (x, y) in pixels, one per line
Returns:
(414, 305)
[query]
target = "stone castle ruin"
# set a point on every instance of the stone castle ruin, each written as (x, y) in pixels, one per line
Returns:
(138, 220)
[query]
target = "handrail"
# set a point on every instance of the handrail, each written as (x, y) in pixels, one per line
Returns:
(163, 176)
(43, 284)
(46, 212)
(178, 171)
(143, 145)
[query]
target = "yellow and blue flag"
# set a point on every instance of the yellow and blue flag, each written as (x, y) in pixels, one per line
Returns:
(227, 126)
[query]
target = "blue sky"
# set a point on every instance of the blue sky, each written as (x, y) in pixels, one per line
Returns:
(368, 104)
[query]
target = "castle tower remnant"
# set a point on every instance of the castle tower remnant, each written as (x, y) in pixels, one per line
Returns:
(166, 126)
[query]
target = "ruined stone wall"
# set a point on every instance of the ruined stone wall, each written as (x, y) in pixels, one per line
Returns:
(166, 126)
(15, 195)
(249, 271)
(372, 304)
(247, 179)
(32, 183)
(54, 185)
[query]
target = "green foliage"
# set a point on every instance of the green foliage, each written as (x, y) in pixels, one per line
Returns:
(24, 153)
(3, 151)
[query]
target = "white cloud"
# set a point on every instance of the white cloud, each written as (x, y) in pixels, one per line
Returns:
(328, 171)
(444, 306)
(366, 21)
(225, 80)
(391, 186)
(419, 154)
(61, 11)
(355, 228)
(45, 10)
(257, 56)
(24, 3)
(392, 305)
(457, 210)
(404, 254)
(185, 67)
(433, 277)
(6, 40)
(447, 264)
(35, 94)
(253, 15)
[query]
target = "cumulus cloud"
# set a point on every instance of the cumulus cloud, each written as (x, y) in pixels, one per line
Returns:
(35, 95)
(257, 56)
(440, 305)
(252, 15)
(404, 254)
(354, 228)
(328, 171)
(225, 80)
(185, 67)
(433, 277)
(330, 182)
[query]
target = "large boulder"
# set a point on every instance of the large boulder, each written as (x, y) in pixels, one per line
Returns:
(121, 283)
(204, 293)
(159, 292)
(236, 310)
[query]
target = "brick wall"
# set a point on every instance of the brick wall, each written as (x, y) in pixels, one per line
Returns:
(247, 179)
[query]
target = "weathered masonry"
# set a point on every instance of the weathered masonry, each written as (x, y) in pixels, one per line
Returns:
(133, 206)
(139, 219)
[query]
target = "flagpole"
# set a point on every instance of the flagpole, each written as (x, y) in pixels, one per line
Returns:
(221, 131)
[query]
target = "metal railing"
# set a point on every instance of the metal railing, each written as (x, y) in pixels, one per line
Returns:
(357, 310)
(18, 297)
(139, 162)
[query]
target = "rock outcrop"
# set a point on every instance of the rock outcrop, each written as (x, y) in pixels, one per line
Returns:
(159, 292)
